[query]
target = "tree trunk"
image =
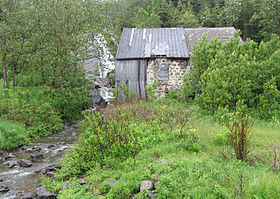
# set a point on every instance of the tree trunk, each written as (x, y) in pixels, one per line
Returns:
(14, 73)
(4, 66)
(4, 57)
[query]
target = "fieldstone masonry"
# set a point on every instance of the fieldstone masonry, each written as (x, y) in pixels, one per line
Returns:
(177, 70)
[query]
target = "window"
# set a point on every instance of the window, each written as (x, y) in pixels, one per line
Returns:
(163, 71)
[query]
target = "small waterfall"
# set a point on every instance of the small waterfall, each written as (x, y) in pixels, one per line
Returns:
(100, 60)
(106, 58)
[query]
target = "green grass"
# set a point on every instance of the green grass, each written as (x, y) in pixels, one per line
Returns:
(202, 162)
(11, 135)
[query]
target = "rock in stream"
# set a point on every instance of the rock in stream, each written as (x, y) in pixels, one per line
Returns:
(21, 169)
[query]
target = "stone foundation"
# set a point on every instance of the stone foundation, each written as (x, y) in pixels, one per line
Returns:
(177, 70)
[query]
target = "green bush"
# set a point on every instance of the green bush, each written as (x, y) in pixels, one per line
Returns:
(11, 135)
(70, 103)
(108, 140)
(186, 140)
(220, 139)
(151, 90)
(123, 93)
(222, 74)
(173, 94)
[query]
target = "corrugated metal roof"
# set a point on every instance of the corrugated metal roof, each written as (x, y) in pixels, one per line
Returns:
(152, 42)
(193, 35)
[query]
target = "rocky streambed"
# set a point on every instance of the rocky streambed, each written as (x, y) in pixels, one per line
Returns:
(21, 169)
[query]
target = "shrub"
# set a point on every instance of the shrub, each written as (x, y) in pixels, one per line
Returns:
(11, 135)
(173, 94)
(238, 72)
(107, 140)
(238, 125)
(186, 139)
(123, 93)
(151, 90)
(220, 139)
(70, 103)
(40, 119)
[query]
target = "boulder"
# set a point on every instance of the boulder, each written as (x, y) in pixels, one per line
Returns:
(75, 125)
(146, 185)
(42, 193)
(28, 195)
(63, 148)
(82, 182)
(51, 168)
(37, 158)
(49, 174)
(96, 96)
(4, 188)
(50, 146)
(11, 164)
(9, 157)
(103, 82)
(24, 163)
(34, 149)
(23, 148)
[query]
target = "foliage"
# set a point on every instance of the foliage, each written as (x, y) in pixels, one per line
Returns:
(221, 138)
(144, 19)
(30, 108)
(168, 158)
(201, 58)
(227, 73)
(11, 135)
(42, 44)
(185, 17)
(173, 94)
(151, 90)
(123, 93)
(109, 138)
(238, 125)
(185, 139)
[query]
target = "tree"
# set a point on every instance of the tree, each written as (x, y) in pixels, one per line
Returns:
(184, 16)
(233, 73)
(8, 9)
(163, 10)
(241, 15)
(269, 17)
(144, 19)
(201, 59)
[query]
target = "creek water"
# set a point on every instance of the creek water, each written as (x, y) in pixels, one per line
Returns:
(21, 180)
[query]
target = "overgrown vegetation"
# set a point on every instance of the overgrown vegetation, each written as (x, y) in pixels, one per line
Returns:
(256, 19)
(42, 44)
(226, 74)
(182, 152)
(11, 135)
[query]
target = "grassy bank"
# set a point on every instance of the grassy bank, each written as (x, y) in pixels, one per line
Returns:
(184, 154)
(37, 111)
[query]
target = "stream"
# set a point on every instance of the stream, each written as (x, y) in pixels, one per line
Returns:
(46, 154)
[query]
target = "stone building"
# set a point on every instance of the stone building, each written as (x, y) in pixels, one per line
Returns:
(161, 55)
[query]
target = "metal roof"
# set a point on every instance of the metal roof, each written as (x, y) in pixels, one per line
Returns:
(193, 35)
(152, 42)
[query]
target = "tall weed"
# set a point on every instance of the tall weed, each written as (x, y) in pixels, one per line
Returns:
(11, 135)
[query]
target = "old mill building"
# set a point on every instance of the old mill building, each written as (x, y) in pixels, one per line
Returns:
(146, 55)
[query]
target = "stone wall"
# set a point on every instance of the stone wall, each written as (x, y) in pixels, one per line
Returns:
(177, 70)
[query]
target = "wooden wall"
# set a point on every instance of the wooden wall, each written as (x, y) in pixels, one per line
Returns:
(134, 74)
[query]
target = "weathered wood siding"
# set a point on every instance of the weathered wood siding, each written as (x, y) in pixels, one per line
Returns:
(133, 73)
